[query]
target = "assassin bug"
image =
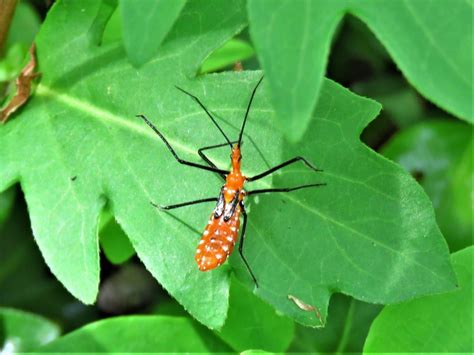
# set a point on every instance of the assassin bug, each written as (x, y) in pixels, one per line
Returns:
(221, 232)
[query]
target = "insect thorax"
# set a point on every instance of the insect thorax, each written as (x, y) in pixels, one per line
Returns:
(226, 207)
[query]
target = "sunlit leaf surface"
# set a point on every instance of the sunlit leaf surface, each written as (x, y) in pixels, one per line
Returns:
(24, 332)
(147, 334)
(433, 324)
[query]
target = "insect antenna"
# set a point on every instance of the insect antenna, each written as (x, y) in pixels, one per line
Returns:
(208, 113)
(247, 112)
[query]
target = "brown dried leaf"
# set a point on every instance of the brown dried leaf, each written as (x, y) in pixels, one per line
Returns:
(23, 87)
(306, 307)
(238, 66)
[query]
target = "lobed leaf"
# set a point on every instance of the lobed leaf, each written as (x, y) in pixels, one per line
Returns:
(370, 233)
(293, 39)
(65, 193)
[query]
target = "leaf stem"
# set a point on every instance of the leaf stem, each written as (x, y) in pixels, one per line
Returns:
(341, 348)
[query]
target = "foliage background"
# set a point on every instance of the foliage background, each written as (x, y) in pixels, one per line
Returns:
(369, 239)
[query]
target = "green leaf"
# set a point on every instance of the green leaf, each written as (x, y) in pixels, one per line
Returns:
(365, 225)
(440, 152)
(250, 323)
(292, 42)
(346, 329)
(233, 51)
(113, 240)
(138, 334)
(24, 26)
(370, 233)
(433, 52)
(145, 26)
(253, 324)
(434, 324)
(10, 67)
(21, 331)
(113, 30)
(66, 194)
(293, 39)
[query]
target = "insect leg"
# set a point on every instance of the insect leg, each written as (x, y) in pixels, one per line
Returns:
(189, 203)
(181, 161)
(241, 244)
(206, 158)
(283, 189)
(282, 165)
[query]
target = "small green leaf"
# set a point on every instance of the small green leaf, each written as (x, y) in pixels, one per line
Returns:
(11, 65)
(145, 26)
(113, 31)
(113, 240)
(233, 51)
(292, 41)
(253, 324)
(440, 153)
(22, 332)
(24, 26)
(293, 38)
(138, 334)
(433, 324)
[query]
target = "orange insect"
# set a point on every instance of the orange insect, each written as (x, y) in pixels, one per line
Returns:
(222, 230)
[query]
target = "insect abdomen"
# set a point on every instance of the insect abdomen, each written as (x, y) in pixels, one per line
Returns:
(217, 241)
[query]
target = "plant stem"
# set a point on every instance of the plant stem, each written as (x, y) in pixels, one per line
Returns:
(341, 349)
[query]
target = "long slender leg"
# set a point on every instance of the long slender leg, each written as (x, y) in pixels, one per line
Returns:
(241, 244)
(189, 203)
(282, 165)
(207, 159)
(283, 189)
(181, 161)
